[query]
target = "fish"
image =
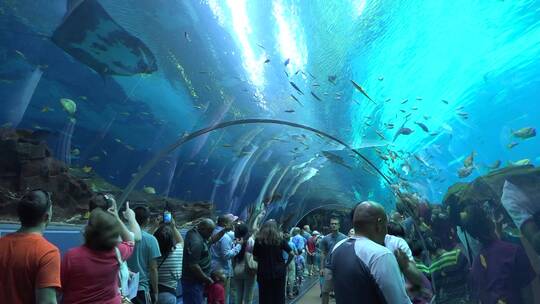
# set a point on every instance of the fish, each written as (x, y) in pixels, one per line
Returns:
(419, 98)
(469, 160)
(406, 168)
(191, 163)
(512, 145)
(286, 62)
(495, 165)
(389, 126)
(460, 108)
(218, 182)
(186, 35)
(69, 105)
(87, 169)
(125, 114)
(316, 85)
(388, 100)
(7, 125)
(426, 117)
(332, 79)
(522, 162)
(21, 54)
(524, 133)
(414, 108)
(95, 158)
(83, 97)
(296, 99)
(361, 90)
(296, 87)
(404, 101)
(483, 261)
(262, 47)
(403, 131)
(311, 75)
(75, 152)
(267, 60)
(380, 135)
(465, 171)
(444, 101)
(129, 147)
(46, 109)
(227, 146)
(381, 78)
(433, 133)
(91, 36)
(335, 159)
(289, 111)
(463, 114)
(316, 97)
(149, 190)
(403, 111)
(422, 126)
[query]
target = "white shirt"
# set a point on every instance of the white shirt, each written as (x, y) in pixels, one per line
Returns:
(394, 243)
(384, 269)
(518, 205)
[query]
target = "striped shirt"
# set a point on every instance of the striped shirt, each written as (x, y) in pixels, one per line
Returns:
(170, 271)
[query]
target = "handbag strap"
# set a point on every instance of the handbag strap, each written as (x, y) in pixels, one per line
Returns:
(118, 255)
(164, 258)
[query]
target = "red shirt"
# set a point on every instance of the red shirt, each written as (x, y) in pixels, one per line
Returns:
(27, 261)
(311, 244)
(90, 276)
(216, 293)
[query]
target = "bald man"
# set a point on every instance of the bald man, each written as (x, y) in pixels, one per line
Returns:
(363, 268)
(197, 260)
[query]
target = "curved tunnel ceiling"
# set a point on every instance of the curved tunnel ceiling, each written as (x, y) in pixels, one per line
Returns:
(415, 86)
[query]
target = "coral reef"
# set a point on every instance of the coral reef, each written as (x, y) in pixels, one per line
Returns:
(27, 163)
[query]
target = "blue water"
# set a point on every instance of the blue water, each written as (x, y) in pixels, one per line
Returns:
(479, 55)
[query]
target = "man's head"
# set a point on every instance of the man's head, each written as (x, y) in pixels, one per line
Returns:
(142, 215)
(334, 225)
(351, 232)
(226, 220)
(307, 229)
(205, 227)
(370, 221)
(396, 229)
(478, 224)
(35, 209)
(295, 231)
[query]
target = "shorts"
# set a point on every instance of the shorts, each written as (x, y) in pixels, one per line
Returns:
(328, 283)
(310, 259)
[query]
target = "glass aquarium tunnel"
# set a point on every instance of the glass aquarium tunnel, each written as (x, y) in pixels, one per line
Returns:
(277, 109)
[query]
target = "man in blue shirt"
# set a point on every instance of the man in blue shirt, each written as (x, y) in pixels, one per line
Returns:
(300, 243)
(143, 260)
(224, 250)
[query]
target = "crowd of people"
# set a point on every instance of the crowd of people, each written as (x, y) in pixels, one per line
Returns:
(417, 256)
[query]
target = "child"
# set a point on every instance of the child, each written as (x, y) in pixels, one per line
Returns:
(216, 291)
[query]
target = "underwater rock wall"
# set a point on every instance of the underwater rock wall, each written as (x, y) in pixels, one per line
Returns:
(26, 163)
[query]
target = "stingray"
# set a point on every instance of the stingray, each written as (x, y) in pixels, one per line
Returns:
(90, 35)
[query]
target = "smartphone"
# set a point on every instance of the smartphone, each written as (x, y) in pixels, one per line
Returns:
(167, 217)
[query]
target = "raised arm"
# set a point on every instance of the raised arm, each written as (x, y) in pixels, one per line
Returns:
(132, 232)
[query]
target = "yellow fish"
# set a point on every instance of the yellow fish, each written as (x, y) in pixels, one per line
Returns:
(87, 169)
(95, 158)
(483, 261)
(46, 109)
(149, 190)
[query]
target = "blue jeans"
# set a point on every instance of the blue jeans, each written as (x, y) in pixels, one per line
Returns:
(166, 298)
(192, 292)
